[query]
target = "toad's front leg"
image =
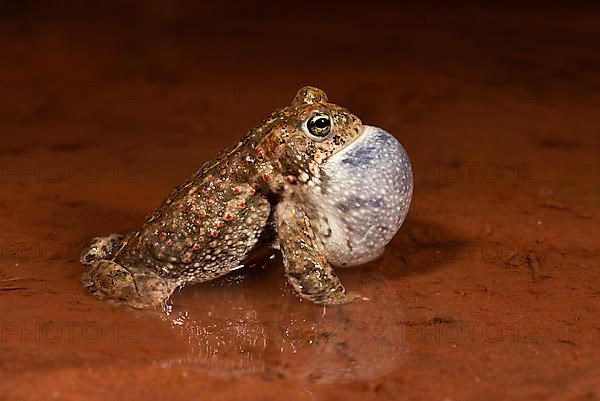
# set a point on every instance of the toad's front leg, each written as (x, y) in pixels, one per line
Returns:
(307, 270)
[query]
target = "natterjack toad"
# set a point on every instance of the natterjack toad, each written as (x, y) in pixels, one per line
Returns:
(310, 180)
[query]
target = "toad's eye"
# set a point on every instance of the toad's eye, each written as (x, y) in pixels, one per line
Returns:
(319, 125)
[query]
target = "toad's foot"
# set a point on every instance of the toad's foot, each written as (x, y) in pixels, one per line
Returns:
(307, 270)
(142, 288)
(101, 248)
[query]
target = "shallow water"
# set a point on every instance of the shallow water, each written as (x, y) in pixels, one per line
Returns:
(252, 323)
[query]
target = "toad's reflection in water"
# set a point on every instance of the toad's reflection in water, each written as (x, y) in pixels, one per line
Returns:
(238, 327)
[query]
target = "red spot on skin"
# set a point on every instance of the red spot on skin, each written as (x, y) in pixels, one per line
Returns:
(236, 190)
(192, 191)
(214, 233)
(242, 204)
(228, 217)
(196, 247)
(163, 235)
(155, 232)
(145, 241)
(191, 207)
(201, 212)
(291, 179)
(266, 177)
(212, 244)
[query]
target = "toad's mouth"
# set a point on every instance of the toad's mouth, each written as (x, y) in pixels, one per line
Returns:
(364, 199)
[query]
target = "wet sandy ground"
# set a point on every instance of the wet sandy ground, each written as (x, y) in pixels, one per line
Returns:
(491, 289)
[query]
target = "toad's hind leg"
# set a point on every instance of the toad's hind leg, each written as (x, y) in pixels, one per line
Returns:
(109, 280)
(140, 287)
(307, 270)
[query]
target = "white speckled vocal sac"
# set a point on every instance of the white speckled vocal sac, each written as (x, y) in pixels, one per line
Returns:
(365, 198)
